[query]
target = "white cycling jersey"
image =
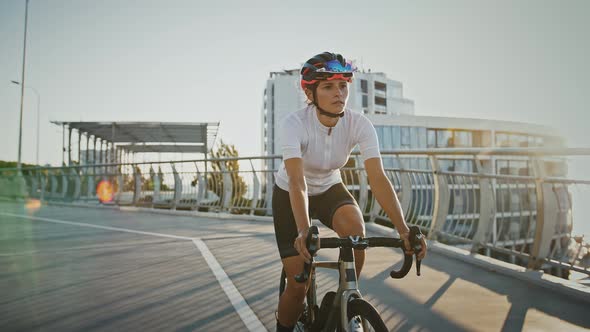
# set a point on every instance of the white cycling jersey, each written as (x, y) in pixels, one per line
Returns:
(324, 150)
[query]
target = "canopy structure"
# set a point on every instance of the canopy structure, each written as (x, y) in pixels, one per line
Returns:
(164, 148)
(138, 137)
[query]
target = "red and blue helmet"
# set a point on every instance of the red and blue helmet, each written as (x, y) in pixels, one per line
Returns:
(326, 67)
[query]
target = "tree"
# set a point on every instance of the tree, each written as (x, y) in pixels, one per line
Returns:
(215, 175)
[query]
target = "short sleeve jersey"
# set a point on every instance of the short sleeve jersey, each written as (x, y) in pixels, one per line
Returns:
(323, 151)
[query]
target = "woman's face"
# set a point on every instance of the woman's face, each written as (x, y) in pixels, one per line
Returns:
(331, 95)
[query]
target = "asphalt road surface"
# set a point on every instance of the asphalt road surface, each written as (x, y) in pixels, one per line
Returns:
(85, 269)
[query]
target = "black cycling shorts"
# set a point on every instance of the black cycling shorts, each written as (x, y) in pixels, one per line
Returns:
(322, 207)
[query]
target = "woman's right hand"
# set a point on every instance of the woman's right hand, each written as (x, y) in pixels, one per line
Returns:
(300, 245)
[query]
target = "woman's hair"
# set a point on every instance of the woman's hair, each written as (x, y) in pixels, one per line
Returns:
(312, 88)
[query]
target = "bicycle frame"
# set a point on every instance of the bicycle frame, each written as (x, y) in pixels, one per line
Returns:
(347, 288)
(348, 283)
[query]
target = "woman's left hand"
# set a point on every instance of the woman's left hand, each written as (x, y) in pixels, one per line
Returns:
(406, 238)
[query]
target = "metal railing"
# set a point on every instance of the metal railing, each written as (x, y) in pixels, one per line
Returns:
(525, 217)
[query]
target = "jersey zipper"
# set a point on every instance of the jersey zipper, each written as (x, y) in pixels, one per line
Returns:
(328, 149)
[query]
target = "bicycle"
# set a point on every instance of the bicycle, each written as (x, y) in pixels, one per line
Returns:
(345, 309)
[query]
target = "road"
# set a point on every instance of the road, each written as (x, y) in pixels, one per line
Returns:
(88, 269)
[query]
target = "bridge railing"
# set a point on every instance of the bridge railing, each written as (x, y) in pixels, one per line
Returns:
(514, 204)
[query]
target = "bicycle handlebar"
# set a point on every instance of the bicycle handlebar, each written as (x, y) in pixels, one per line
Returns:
(314, 243)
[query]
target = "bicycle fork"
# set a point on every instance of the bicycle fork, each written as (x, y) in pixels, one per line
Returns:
(347, 289)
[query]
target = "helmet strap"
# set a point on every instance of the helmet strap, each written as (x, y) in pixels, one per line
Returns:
(322, 112)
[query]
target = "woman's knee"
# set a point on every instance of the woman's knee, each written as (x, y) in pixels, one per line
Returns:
(293, 266)
(296, 289)
(348, 220)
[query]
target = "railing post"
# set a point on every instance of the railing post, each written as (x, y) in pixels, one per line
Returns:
(441, 200)
(54, 185)
(406, 186)
(43, 185)
(25, 185)
(64, 185)
(177, 188)
(90, 184)
(34, 184)
(20, 185)
(227, 187)
(256, 189)
(487, 208)
(268, 195)
(200, 189)
(136, 184)
(156, 181)
(547, 207)
(77, 184)
(120, 185)
(363, 185)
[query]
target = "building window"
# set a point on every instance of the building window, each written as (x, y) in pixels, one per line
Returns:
(380, 86)
(387, 138)
(379, 131)
(431, 138)
(456, 165)
(512, 140)
(444, 138)
(446, 165)
(464, 166)
(513, 167)
(477, 138)
(365, 101)
(502, 140)
(462, 138)
(380, 101)
(364, 86)
(405, 137)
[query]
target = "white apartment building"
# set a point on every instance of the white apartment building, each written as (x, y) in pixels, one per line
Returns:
(382, 101)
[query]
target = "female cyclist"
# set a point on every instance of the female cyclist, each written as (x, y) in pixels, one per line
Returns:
(316, 142)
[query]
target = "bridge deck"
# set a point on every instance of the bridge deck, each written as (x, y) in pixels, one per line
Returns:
(66, 269)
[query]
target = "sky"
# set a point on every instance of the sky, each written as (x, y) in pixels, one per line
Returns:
(200, 61)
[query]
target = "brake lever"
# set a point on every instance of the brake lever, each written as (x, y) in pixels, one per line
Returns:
(313, 245)
(416, 243)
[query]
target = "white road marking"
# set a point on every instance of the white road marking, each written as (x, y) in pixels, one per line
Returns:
(240, 305)
(97, 226)
(246, 314)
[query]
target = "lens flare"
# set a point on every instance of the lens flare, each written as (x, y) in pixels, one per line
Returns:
(32, 205)
(104, 191)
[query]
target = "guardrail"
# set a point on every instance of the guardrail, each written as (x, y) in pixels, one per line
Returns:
(461, 197)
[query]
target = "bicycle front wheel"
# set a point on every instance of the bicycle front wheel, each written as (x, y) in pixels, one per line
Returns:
(362, 316)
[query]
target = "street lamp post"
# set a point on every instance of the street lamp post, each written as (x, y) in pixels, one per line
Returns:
(38, 117)
(22, 91)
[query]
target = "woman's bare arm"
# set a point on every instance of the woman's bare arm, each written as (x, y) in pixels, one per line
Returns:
(387, 198)
(299, 202)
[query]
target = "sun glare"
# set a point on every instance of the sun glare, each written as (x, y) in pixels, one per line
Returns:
(104, 191)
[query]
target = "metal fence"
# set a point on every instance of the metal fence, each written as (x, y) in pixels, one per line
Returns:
(463, 197)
